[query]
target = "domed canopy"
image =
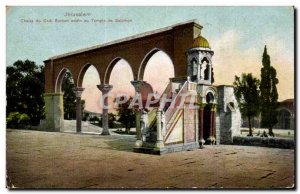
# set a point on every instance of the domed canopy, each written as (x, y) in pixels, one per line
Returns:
(200, 41)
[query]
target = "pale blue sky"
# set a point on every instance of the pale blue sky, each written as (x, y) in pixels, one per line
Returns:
(41, 41)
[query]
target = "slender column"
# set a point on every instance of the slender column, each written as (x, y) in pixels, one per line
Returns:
(209, 72)
(78, 91)
(159, 139)
(201, 121)
(105, 88)
(212, 122)
(144, 126)
(137, 84)
(199, 76)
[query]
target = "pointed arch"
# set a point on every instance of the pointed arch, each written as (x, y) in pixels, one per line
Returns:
(82, 73)
(145, 60)
(59, 79)
(111, 66)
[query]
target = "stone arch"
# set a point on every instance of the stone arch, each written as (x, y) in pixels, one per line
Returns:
(111, 66)
(59, 79)
(213, 92)
(145, 60)
(207, 57)
(205, 68)
(284, 118)
(82, 73)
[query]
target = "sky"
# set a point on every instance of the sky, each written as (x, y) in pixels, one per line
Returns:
(237, 35)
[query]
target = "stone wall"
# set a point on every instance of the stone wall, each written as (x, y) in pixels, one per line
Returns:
(229, 114)
(273, 142)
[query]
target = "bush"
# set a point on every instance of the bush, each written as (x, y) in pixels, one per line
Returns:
(111, 120)
(17, 120)
(85, 116)
(94, 119)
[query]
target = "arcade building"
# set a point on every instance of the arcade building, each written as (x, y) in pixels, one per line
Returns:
(161, 129)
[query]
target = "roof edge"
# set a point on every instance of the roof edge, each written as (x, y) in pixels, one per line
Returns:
(129, 38)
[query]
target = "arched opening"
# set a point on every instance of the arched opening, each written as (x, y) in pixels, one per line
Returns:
(91, 93)
(89, 79)
(284, 119)
(60, 78)
(193, 72)
(120, 116)
(92, 72)
(65, 84)
(120, 77)
(205, 68)
(209, 98)
(156, 69)
(91, 96)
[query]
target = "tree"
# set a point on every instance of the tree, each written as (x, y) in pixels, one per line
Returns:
(70, 97)
(25, 89)
(126, 115)
(269, 94)
(247, 93)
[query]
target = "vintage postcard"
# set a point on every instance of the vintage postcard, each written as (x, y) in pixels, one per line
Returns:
(150, 97)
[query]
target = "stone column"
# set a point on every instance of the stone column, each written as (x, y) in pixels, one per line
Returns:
(199, 76)
(159, 139)
(105, 88)
(209, 72)
(54, 112)
(201, 121)
(144, 126)
(137, 84)
(78, 91)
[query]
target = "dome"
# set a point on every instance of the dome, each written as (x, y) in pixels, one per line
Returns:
(200, 41)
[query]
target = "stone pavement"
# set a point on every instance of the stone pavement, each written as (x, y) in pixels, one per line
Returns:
(65, 160)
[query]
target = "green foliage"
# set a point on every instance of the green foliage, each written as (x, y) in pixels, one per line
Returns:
(70, 97)
(126, 115)
(94, 119)
(111, 119)
(247, 94)
(269, 94)
(85, 116)
(25, 89)
(17, 120)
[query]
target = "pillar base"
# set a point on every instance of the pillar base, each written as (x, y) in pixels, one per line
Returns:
(138, 143)
(211, 140)
(105, 132)
(159, 145)
(201, 143)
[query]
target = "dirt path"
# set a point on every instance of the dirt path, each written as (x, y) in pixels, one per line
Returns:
(65, 160)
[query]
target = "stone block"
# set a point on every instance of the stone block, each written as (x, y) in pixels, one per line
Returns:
(54, 112)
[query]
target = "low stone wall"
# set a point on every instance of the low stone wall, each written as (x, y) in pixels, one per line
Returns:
(273, 142)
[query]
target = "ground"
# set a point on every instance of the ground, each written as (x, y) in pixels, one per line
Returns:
(38, 159)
